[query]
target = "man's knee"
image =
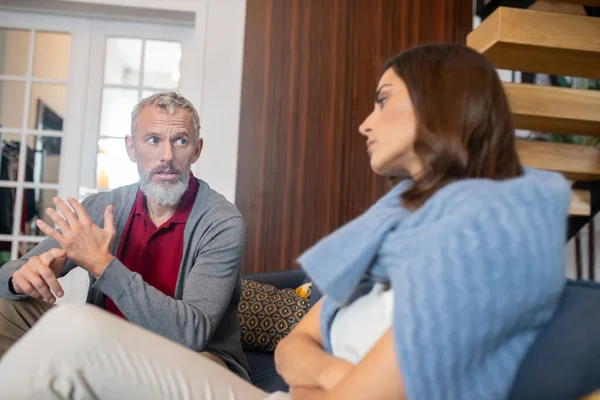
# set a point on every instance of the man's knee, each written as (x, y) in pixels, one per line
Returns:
(61, 332)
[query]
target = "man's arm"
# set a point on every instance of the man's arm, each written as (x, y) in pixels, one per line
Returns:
(209, 286)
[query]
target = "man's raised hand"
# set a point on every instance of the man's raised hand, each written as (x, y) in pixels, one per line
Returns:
(87, 244)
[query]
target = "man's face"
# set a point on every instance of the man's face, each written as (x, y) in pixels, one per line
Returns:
(164, 147)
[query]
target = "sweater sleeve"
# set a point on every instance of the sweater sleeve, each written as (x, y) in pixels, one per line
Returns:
(471, 294)
(192, 320)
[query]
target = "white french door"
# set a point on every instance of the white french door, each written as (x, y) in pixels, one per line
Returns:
(43, 82)
(128, 61)
(67, 88)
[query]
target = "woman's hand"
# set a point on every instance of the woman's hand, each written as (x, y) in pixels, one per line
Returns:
(334, 373)
(301, 360)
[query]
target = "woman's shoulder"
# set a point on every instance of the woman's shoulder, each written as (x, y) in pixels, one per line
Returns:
(533, 189)
(535, 196)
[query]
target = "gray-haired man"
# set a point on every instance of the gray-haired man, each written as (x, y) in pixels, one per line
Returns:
(167, 257)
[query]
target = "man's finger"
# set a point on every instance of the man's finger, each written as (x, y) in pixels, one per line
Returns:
(109, 218)
(40, 285)
(58, 220)
(81, 213)
(66, 211)
(52, 255)
(51, 281)
(21, 286)
(49, 231)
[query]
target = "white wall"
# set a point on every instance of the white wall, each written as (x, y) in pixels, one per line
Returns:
(220, 108)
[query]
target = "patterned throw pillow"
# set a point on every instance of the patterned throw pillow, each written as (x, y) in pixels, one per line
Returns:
(268, 314)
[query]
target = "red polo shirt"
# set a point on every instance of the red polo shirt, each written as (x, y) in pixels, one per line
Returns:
(155, 252)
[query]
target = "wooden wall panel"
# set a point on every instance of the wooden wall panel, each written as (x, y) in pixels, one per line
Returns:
(310, 70)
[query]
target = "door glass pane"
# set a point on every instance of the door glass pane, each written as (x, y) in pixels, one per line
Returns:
(115, 116)
(161, 64)
(11, 144)
(43, 159)
(114, 168)
(14, 51)
(47, 107)
(5, 248)
(148, 93)
(52, 55)
(35, 203)
(123, 59)
(12, 101)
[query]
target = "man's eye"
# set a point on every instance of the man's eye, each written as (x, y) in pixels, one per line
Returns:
(181, 142)
(152, 140)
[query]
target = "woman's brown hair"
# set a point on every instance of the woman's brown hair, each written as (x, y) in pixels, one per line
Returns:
(464, 123)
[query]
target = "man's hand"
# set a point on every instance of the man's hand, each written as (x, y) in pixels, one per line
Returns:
(37, 278)
(86, 243)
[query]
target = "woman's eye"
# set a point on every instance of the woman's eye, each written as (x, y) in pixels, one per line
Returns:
(381, 101)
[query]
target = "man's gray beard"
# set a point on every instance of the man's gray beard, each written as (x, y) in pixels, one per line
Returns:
(167, 193)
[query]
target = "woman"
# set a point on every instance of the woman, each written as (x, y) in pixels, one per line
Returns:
(463, 260)
(435, 292)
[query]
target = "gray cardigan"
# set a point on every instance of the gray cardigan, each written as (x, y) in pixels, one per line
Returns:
(202, 315)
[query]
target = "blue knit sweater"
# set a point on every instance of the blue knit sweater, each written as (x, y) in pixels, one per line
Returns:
(477, 272)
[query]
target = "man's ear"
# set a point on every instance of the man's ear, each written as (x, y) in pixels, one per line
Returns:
(198, 149)
(130, 148)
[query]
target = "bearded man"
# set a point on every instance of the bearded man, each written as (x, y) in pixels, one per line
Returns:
(163, 253)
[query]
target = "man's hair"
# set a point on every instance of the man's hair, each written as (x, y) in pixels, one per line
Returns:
(169, 102)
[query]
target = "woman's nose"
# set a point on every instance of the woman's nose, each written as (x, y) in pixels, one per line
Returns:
(365, 127)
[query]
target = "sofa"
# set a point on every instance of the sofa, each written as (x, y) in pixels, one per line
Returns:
(563, 363)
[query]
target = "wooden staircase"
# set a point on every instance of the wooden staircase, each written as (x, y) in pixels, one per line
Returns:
(559, 44)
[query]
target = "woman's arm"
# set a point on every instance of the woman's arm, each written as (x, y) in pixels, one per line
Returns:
(377, 376)
(301, 360)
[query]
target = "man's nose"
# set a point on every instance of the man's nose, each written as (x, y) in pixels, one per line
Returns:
(166, 152)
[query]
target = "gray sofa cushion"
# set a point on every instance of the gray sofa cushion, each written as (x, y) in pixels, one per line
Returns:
(564, 362)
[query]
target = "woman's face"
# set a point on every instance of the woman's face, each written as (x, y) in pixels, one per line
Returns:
(391, 129)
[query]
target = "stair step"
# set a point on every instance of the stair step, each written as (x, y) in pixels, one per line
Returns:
(576, 162)
(593, 3)
(552, 109)
(559, 5)
(581, 203)
(536, 41)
